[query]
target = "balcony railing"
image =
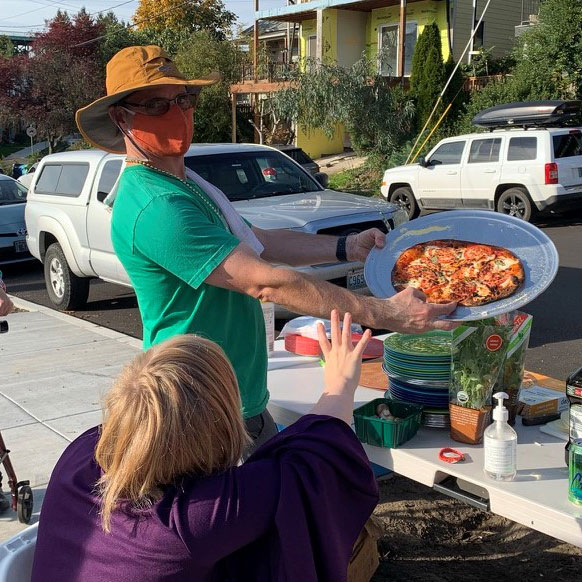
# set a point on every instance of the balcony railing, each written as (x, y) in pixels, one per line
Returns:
(270, 72)
(529, 8)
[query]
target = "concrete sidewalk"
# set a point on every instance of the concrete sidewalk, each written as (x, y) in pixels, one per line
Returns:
(54, 370)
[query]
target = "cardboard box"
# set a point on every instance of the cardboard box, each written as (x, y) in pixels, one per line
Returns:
(537, 400)
(365, 560)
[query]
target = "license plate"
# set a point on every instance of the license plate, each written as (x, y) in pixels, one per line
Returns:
(355, 279)
(20, 246)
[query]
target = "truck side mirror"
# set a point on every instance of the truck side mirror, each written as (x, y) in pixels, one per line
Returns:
(322, 178)
(422, 162)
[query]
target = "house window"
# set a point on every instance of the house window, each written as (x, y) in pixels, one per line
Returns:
(388, 48)
(479, 40)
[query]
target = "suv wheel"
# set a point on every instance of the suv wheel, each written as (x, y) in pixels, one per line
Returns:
(65, 290)
(404, 197)
(516, 202)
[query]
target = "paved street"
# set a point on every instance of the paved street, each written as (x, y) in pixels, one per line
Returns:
(556, 343)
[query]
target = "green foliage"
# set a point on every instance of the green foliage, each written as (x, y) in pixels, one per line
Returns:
(431, 85)
(429, 38)
(377, 116)
(7, 48)
(548, 63)
(117, 35)
(200, 55)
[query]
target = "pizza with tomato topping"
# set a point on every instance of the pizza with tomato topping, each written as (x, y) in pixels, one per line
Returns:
(453, 270)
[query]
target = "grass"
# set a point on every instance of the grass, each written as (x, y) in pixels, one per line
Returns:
(364, 181)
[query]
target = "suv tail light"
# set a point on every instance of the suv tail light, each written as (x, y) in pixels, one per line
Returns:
(551, 174)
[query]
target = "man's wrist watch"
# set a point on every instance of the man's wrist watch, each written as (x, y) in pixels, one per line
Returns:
(340, 251)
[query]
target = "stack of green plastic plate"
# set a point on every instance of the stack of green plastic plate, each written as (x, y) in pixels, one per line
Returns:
(418, 368)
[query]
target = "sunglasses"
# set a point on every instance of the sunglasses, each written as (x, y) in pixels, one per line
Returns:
(161, 106)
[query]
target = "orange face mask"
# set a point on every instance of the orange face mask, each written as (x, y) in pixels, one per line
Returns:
(164, 135)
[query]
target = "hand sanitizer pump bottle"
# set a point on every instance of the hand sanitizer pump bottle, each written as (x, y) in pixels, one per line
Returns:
(500, 444)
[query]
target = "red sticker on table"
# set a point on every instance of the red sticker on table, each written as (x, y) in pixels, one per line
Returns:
(494, 342)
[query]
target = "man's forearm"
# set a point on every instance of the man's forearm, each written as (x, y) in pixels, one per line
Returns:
(303, 294)
(297, 248)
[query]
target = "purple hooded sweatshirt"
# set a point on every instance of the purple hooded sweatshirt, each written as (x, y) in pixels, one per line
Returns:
(292, 512)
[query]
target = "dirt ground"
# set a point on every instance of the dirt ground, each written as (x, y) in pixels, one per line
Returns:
(430, 537)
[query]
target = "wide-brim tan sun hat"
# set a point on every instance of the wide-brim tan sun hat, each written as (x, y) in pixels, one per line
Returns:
(131, 69)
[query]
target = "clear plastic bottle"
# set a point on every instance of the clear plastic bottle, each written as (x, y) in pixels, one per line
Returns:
(500, 444)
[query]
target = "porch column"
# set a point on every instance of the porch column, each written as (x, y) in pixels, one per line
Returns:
(255, 97)
(474, 22)
(233, 115)
(402, 40)
(319, 40)
(256, 44)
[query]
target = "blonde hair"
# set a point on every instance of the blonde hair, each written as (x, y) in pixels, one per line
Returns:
(174, 410)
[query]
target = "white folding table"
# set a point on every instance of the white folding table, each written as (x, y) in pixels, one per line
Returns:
(537, 498)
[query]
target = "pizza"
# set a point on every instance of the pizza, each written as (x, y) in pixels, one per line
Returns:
(454, 270)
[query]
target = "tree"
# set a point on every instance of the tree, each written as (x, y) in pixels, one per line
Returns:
(7, 48)
(427, 77)
(117, 35)
(201, 55)
(430, 37)
(377, 116)
(169, 22)
(64, 74)
(548, 61)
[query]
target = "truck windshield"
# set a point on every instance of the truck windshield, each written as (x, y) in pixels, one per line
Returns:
(248, 175)
(12, 192)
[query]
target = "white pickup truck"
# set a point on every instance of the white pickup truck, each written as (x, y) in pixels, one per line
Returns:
(69, 226)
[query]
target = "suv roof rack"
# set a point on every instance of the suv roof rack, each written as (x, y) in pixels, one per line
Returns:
(529, 113)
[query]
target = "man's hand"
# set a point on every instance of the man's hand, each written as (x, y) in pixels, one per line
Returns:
(6, 305)
(412, 314)
(358, 246)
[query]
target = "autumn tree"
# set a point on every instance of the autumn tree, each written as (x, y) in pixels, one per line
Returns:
(170, 22)
(64, 73)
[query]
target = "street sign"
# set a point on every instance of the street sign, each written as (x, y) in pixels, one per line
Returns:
(31, 131)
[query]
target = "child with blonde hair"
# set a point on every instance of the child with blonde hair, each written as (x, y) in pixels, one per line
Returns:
(157, 493)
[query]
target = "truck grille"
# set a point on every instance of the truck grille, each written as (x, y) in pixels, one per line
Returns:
(346, 229)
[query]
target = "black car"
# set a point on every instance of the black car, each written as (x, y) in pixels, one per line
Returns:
(299, 156)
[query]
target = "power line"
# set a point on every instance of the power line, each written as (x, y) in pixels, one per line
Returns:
(43, 7)
(55, 5)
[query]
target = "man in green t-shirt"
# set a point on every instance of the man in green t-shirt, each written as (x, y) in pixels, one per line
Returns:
(195, 265)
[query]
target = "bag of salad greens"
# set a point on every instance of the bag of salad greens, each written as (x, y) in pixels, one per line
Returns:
(511, 375)
(477, 358)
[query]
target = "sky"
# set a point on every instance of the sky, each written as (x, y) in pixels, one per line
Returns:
(29, 15)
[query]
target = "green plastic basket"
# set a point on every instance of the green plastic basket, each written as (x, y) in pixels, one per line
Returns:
(387, 433)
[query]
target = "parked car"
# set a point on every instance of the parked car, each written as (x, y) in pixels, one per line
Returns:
(13, 248)
(516, 171)
(300, 157)
(26, 179)
(69, 226)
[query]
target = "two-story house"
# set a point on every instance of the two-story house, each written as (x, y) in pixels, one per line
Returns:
(341, 31)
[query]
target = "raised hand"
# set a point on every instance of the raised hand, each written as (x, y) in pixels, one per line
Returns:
(343, 360)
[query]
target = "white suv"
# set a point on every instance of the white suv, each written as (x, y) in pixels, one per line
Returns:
(515, 171)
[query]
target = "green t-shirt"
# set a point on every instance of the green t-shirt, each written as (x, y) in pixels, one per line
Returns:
(169, 239)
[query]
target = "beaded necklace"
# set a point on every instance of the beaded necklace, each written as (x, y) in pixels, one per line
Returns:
(193, 190)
